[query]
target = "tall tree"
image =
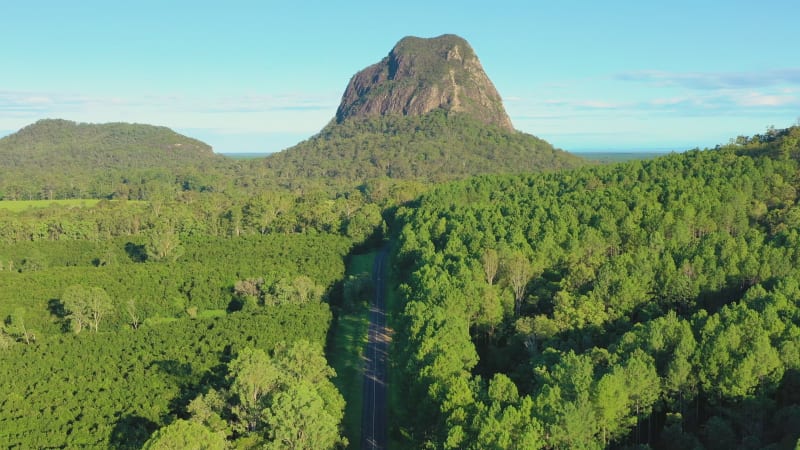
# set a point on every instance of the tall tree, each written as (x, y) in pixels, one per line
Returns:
(518, 271)
(15, 325)
(298, 419)
(491, 263)
(86, 307)
(163, 243)
(253, 377)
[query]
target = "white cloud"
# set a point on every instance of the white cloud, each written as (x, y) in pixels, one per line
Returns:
(258, 113)
(714, 80)
(758, 99)
(601, 104)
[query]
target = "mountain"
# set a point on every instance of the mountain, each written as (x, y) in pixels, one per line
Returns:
(103, 146)
(421, 75)
(56, 158)
(426, 111)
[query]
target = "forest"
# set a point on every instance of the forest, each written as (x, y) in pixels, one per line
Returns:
(106, 341)
(642, 305)
(647, 304)
(434, 147)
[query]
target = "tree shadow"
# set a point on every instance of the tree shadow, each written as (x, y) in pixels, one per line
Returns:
(184, 377)
(131, 432)
(190, 384)
(237, 304)
(180, 371)
(214, 378)
(136, 252)
(57, 309)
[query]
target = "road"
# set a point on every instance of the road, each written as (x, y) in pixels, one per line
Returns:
(374, 414)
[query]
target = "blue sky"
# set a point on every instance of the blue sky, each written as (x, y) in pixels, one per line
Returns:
(260, 76)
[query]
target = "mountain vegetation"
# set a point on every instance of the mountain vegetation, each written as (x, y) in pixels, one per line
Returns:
(121, 317)
(56, 158)
(436, 146)
(646, 303)
(427, 112)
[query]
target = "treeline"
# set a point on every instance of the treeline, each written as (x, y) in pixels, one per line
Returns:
(648, 303)
(58, 159)
(355, 214)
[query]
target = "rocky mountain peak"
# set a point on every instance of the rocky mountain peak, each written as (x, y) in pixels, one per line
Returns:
(420, 75)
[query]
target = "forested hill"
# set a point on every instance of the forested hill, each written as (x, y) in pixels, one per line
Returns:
(52, 150)
(55, 142)
(433, 147)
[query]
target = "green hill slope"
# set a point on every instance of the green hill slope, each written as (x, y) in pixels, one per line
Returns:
(435, 146)
(56, 158)
(55, 142)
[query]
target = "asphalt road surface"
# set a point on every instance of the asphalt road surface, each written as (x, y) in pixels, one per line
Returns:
(375, 411)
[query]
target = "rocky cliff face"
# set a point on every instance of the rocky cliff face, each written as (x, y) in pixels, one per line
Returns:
(420, 75)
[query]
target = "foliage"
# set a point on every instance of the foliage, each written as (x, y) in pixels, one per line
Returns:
(435, 146)
(631, 301)
(57, 159)
(187, 435)
(648, 303)
(21, 205)
(85, 307)
(282, 401)
(203, 277)
(166, 338)
(116, 389)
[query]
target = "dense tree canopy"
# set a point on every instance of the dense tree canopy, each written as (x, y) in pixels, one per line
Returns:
(435, 146)
(281, 401)
(113, 389)
(643, 303)
(163, 330)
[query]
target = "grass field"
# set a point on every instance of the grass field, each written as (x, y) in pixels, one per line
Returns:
(346, 347)
(22, 205)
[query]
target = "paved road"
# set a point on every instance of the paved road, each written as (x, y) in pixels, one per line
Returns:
(374, 414)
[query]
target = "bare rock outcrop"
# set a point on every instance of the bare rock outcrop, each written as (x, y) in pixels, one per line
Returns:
(420, 75)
